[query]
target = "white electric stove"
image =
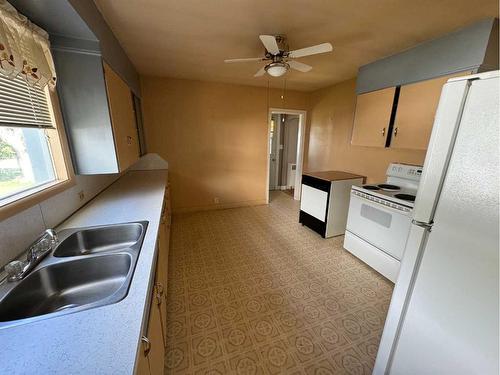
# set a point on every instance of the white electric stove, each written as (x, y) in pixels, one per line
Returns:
(379, 219)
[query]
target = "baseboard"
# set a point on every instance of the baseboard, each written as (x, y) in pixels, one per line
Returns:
(219, 206)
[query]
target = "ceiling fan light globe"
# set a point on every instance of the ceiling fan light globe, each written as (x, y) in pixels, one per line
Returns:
(277, 69)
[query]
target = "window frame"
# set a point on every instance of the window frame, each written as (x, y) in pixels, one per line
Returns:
(63, 167)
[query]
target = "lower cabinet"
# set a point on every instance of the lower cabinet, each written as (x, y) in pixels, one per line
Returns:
(156, 353)
(142, 367)
(152, 353)
(161, 277)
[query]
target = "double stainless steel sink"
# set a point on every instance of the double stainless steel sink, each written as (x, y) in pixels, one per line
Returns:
(90, 267)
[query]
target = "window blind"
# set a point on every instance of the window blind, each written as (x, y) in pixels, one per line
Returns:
(23, 105)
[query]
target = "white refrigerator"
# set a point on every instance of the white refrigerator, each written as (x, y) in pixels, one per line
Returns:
(444, 313)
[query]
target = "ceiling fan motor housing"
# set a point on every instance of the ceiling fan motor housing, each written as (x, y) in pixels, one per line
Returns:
(283, 47)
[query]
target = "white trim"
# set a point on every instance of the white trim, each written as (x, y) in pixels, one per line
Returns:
(300, 147)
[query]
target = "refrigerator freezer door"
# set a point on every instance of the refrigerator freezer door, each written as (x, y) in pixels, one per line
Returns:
(440, 147)
(451, 323)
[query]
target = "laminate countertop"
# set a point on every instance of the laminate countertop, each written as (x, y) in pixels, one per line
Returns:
(334, 175)
(103, 340)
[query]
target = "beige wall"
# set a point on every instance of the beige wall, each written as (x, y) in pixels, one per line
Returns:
(214, 137)
(328, 137)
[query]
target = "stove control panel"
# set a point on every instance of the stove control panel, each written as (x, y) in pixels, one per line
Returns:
(381, 201)
(406, 171)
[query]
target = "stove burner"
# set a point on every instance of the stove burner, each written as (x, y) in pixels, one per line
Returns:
(389, 187)
(405, 197)
(371, 187)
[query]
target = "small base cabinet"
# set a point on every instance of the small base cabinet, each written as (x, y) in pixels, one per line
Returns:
(152, 352)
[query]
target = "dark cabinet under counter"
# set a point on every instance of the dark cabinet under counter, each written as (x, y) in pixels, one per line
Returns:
(324, 201)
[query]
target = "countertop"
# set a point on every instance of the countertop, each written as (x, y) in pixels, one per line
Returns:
(334, 175)
(104, 340)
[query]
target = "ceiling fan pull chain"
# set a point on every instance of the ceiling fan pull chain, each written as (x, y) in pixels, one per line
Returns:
(284, 90)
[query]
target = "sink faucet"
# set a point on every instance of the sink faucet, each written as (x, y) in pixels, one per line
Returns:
(39, 249)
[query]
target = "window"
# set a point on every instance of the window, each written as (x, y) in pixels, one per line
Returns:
(32, 149)
(31, 155)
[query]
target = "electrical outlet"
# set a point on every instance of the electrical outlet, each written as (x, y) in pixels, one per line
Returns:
(216, 200)
(81, 195)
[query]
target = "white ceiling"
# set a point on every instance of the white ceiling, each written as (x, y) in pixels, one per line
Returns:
(191, 38)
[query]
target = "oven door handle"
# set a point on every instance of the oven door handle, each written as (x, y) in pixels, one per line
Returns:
(392, 209)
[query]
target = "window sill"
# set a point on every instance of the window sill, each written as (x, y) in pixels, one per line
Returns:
(16, 203)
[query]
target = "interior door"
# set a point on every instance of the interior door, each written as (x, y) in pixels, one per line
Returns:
(274, 152)
(451, 324)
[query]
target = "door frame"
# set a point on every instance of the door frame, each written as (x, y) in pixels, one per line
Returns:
(300, 147)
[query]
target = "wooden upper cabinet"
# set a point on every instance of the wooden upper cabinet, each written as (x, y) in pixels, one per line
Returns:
(417, 107)
(372, 117)
(122, 113)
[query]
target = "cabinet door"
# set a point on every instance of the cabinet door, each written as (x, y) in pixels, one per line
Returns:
(122, 119)
(157, 349)
(372, 117)
(143, 361)
(417, 107)
(161, 277)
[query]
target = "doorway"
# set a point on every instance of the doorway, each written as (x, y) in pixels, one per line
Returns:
(285, 151)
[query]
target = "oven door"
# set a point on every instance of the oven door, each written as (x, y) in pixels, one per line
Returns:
(385, 227)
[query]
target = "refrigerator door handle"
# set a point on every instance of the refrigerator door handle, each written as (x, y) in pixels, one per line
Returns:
(422, 224)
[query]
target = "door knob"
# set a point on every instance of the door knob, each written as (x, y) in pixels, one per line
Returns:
(383, 132)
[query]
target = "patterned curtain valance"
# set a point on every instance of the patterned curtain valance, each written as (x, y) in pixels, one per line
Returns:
(24, 48)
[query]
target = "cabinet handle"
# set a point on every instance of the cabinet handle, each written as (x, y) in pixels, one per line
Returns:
(158, 294)
(395, 132)
(147, 349)
(159, 287)
(129, 140)
(383, 132)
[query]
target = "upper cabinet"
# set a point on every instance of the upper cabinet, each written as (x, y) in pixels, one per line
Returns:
(398, 117)
(415, 113)
(98, 112)
(372, 118)
(122, 118)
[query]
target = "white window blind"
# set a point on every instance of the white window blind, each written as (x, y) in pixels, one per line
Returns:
(23, 105)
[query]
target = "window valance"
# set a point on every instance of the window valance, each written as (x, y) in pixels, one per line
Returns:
(24, 48)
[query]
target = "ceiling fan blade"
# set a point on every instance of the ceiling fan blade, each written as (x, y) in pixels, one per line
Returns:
(269, 42)
(313, 50)
(261, 72)
(250, 59)
(304, 68)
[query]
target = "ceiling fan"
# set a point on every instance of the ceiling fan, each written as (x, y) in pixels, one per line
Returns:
(280, 57)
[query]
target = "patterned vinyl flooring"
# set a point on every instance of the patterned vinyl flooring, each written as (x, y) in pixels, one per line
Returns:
(251, 291)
